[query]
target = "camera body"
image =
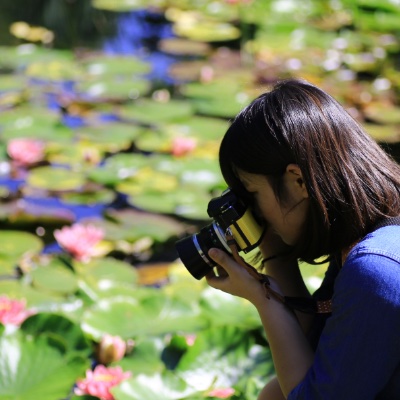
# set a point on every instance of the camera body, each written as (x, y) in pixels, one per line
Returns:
(228, 212)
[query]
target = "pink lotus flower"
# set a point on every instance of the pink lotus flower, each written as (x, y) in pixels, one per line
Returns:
(13, 312)
(79, 240)
(99, 382)
(111, 348)
(221, 393)
(26, 151)
(183, 145)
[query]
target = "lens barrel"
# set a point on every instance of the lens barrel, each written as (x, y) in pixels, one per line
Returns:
(193, 250)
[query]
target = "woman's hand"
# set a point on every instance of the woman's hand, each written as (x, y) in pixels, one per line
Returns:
(234, 279)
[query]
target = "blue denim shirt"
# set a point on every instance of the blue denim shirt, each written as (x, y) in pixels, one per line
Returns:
(358, 353)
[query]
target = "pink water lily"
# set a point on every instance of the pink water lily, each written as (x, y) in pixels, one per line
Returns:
(183, 145)
(111, 348)
(26, 151)
(13, 312)
(79, 240)
(99, 382)
(221, 393)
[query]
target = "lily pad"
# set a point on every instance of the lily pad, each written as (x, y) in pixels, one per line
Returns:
(55, 179)
(22, 371)
(165, 386)
(383, 113)
(54, 277)
(107, 269)
(128, 318)
(112, 88)
(153, 112)
(123, 5)
(114, 66)
(133, 225)
(207, 30)
(15, 245)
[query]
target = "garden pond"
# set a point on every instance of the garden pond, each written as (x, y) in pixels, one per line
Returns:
(109, 135)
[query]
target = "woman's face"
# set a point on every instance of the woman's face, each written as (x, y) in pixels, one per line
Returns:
(285, 218)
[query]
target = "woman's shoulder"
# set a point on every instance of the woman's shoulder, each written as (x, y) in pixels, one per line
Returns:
(373, 265)
(384, 242)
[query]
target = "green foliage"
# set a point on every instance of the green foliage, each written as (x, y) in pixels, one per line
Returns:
(187, 338)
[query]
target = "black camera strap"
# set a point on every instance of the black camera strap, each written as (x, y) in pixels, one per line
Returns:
(307, 305)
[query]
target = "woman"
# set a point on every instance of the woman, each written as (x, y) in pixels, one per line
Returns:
(324, 188)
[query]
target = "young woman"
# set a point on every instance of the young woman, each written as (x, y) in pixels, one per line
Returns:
(324, 188)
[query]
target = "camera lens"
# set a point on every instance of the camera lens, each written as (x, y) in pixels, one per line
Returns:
(193, 251)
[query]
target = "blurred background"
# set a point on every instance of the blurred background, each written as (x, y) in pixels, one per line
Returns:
(111, 114)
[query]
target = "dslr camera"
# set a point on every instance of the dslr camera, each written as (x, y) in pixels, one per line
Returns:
(229, 213)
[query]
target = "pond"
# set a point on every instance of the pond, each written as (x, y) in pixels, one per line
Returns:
(111, 114)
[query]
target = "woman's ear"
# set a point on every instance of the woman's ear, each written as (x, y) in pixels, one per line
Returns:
(295, 179)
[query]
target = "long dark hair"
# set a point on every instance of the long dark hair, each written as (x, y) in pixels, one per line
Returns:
(352, 183)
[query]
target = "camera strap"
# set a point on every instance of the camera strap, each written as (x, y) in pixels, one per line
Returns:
(302, 304)
(307, 305)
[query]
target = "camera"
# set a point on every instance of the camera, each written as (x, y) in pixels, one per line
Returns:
(228, 212)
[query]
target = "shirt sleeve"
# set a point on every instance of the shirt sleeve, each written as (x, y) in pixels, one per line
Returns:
(359, 347)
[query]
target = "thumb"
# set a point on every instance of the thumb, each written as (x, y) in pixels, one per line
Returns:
(222, 258)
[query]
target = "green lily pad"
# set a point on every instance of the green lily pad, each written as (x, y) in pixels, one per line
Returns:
(107, 269)
(113, 66)
(208, 363)
(383, 113)
(112, 88)
(224, 309)
(207, 31)
(146, 357)
(55, 179)
(18, 57)
(179, 46)
(123, 5)
(383, 133)
(67, 331)
(54, 277)
(180, 202)
(133, 225)
(153, 112)
(128, 318)
(15, 245)
(23, 374)
(165, 386)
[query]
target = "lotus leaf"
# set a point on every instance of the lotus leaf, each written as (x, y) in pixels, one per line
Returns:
(189, 203)
(179, 46)
(55, 179)
(166, 386)
(114, 66)
(224, 309)
(383, 113)
(90, 198)
(383, 133)
(154, 112)
(69, 332)
(379, 21)
(107, 269)
(134, 225)
(124, 5)
(53, 70)
(54, 277)
(14, 246)
(207, 31)
(146, 357)
(19, 57)
(22, 371)
(112, 88)
(207, 364)
(148, 180)
(201, 127)
(154, 315)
